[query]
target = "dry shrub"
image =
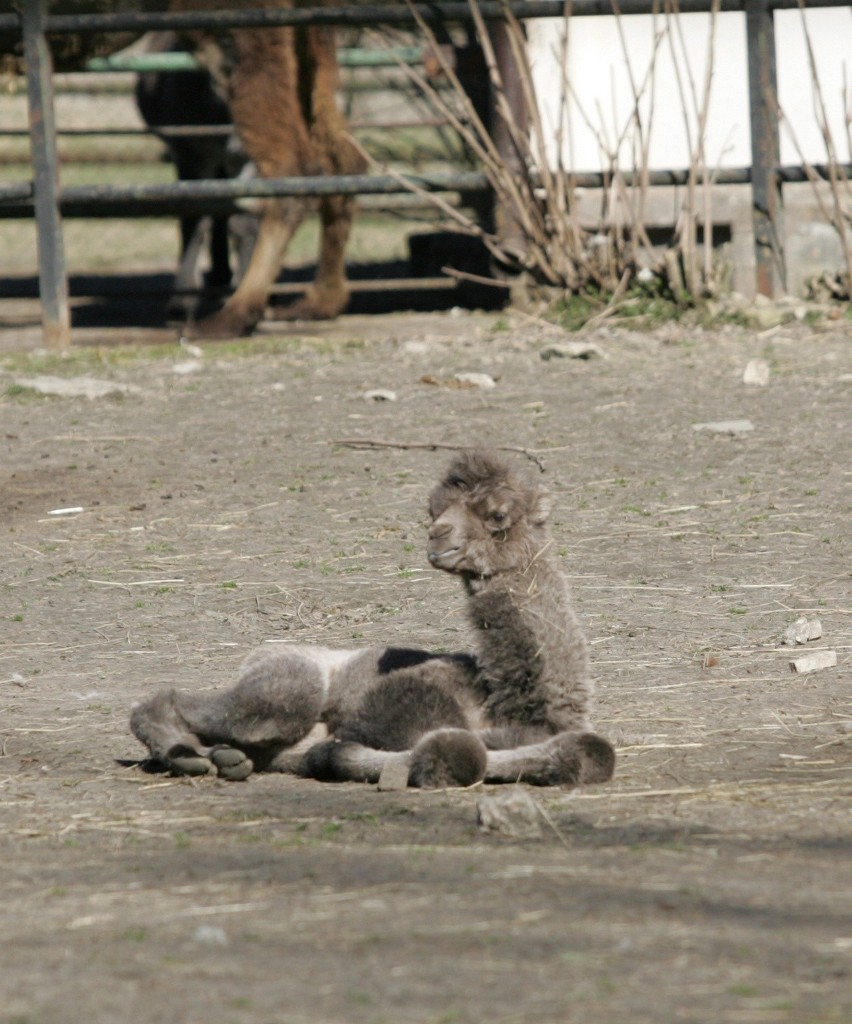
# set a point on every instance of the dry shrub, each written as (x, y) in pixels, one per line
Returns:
(835, 201)
(540, 232)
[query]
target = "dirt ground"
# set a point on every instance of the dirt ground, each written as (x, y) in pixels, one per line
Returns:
(711, 881)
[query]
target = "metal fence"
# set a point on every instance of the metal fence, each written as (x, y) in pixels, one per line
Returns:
(42, 197)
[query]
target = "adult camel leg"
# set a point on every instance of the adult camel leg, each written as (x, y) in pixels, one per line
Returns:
(329, 293)
(335, 154)
(264, 97)
(245, 308)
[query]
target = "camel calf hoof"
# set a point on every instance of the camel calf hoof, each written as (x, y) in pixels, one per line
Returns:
(447, 757)
(597, 758)
(186, 761)
(323, 762)
(228, 762)
(576, 759)
(231, 763)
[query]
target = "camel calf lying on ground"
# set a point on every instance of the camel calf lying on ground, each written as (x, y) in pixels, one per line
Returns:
(516, 711)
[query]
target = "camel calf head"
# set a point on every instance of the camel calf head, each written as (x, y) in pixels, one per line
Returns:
(485, 518)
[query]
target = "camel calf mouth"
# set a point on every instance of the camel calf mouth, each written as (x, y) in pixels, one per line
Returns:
(437, 556)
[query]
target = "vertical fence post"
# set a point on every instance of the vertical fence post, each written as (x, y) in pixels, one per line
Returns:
(507, 223)
(767, 199)
(53, 284)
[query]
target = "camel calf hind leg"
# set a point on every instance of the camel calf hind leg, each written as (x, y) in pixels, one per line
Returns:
(276, 701)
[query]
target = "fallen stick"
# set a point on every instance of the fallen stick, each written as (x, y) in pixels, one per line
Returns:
(366, 443)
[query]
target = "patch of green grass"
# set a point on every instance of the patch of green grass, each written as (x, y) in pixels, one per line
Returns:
(575, 311)
(365, 817)
(743, 991)
(650, 304)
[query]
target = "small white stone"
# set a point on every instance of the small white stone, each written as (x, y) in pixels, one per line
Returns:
(76, 387)
(186, 366)
(814, 662)
(512, 813)
(572, 350)
(732, 427)
(802, 630)
(415, 348)
(477, 380)
(393, 778)
(210, 935)
(190, 349)
(379, 395)
(756, 373)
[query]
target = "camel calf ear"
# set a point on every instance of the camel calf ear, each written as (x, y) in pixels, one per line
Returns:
(541, 506)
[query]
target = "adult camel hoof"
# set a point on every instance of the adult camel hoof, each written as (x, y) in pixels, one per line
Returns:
(226, 323)
(447, 757)
(314, 306)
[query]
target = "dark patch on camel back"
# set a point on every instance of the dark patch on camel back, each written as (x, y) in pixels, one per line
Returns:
(395, 658)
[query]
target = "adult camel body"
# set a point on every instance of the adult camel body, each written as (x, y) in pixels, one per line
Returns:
(281, 84)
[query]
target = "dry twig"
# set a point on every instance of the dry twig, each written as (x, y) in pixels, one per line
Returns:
(366, 443)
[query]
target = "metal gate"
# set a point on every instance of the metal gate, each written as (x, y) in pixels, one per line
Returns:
(47, 202)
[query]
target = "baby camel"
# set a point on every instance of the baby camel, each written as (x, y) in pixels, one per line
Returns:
(516, 711)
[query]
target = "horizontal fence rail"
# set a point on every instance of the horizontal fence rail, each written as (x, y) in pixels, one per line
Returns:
(222, 196)
(49, 202)
(451, 11)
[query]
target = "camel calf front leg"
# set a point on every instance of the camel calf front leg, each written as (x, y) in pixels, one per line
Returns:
(568, 758)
